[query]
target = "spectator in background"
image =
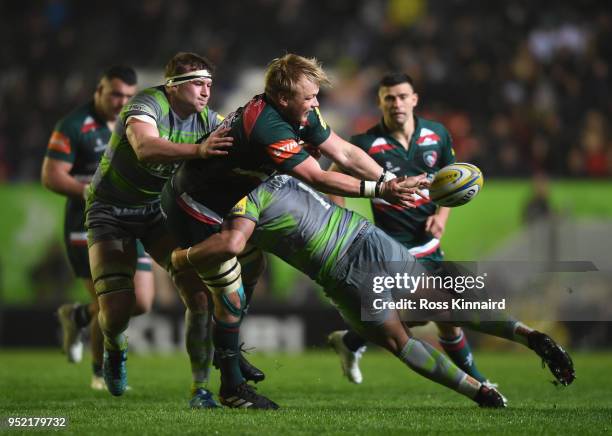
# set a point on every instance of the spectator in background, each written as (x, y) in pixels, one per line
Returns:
(543, 64)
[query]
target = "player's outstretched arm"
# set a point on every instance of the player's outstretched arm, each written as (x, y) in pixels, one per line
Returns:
(350, 157)
(396, 191)
(149, 147)
(217, 249)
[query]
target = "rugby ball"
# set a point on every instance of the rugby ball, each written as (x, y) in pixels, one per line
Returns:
(456, 184)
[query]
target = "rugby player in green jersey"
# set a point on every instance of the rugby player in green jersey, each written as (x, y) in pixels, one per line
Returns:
(73, 153)
(407, 144)
(341, 251)
(157, 129)
(267, 132)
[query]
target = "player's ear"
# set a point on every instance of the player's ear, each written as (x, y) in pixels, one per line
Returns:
(283, 99)
(416, 99)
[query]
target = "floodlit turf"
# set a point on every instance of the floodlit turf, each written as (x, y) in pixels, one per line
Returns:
(314, 398)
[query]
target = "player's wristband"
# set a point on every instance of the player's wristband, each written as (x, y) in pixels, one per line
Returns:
(377, 189)
(386, 176)
(368, 189)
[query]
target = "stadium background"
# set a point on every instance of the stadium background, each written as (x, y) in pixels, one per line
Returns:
(524, 88)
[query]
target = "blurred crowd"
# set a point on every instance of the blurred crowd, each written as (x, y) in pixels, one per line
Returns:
(523, 86)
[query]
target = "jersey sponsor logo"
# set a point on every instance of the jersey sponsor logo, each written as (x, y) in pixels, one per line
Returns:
(380, 145)
(164, 170)
(282, 150)
(427, 137)
(59, 142)
(100, 145)
(320, 117)
(393, 169)
(430, 157)
(89, 124)
(315, 195)
(240, 207)
(138, 107)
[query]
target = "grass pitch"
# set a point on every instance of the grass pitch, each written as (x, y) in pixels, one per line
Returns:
(315, 399)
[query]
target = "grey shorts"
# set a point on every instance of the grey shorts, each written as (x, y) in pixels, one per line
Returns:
(106, 222)
(374, 254)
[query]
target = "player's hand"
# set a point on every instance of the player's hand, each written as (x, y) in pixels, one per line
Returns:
(216, 144)
(401, 190)
(435, 225)
(421, 181)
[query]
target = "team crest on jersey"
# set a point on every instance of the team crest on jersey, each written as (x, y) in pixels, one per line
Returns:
(427, 137)
(100, 145)
(240, 207)
(380, 145)
(430, 157)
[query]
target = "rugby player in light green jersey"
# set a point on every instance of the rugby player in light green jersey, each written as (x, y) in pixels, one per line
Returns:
(341, 251)
(157, 129)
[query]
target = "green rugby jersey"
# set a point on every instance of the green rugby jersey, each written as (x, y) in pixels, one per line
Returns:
(300, 225)
(264, 142)
(121, 179)
(430, 149)
(80, 138)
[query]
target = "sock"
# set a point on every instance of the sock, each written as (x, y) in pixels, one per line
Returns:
(509, 329)
(460, 352)
(521, 333)
(115, 343)
(353, 341)
(81, 315)
(97, 369)
(225, 338)
(430, 363)
(198, 340)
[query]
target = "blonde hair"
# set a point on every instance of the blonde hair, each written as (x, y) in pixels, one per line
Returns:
(283, 74)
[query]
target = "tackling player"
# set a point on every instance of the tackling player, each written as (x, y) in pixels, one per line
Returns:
(74, 150)
(267, 132)
(407, 145)
(340, 250)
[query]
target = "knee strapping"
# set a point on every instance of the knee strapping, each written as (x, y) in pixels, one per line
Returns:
(118, 282)
(223, 279)
(237, 311)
